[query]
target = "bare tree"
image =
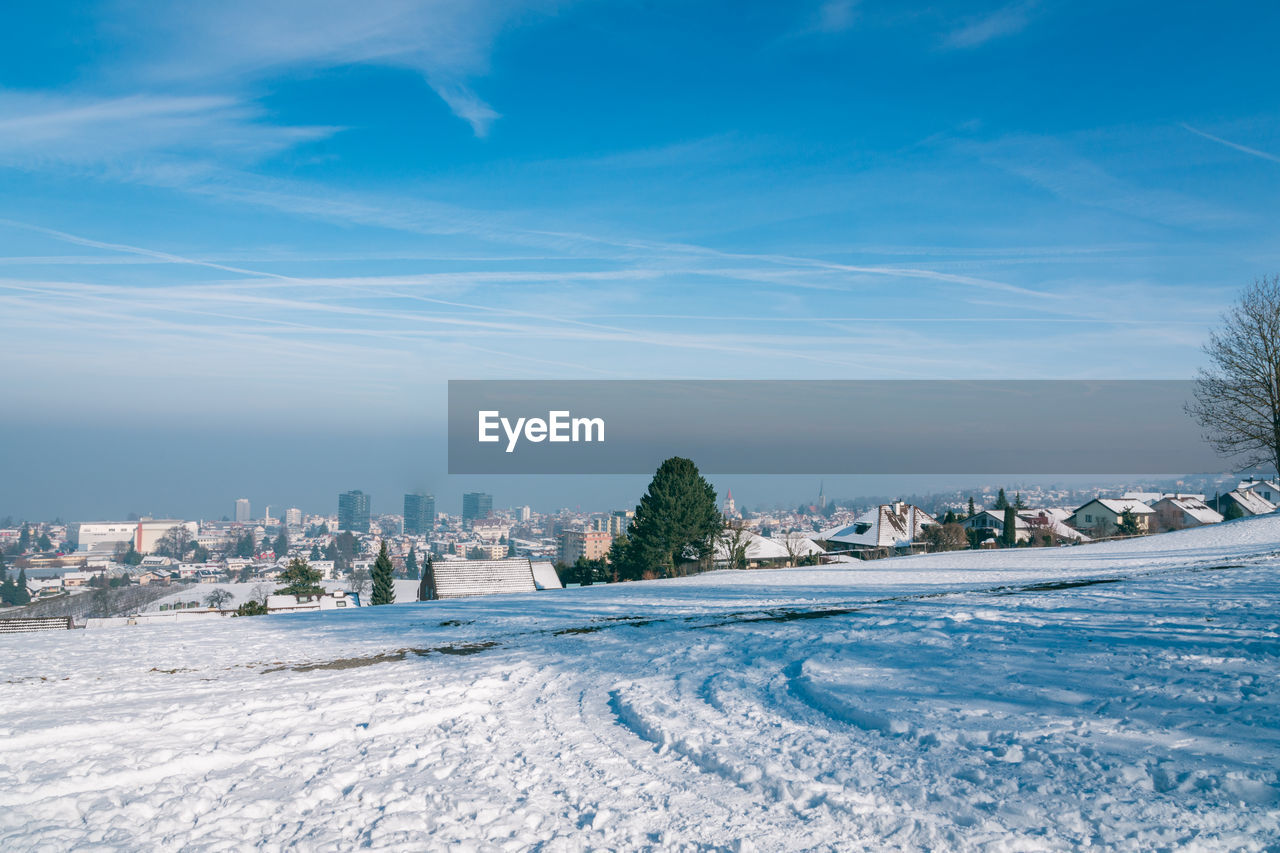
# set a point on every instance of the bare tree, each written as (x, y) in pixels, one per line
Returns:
(1237, 399)
(260, 592)
(218, 598)
(175, 542)
(735, 539)
(360, 582)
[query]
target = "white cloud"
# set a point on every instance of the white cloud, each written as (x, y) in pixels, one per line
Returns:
(1004, 21)
(78, 129)
(447, 42)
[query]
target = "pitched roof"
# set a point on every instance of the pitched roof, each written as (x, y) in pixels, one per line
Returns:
(464, 578)
(1251, 502)
(545, 576)
(766, 548)
(885, 526)
(1119, 505)
(1194, 507)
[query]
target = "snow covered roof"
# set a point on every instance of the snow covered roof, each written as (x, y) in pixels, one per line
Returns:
(1254, 485)
(544, 575)
(1192, 506)
(1120, 505)
(464, 578)
(766, 548)
(893, 525)
(989, 518)
(1251, 502)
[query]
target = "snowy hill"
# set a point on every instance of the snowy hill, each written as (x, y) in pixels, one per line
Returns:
(1116, 695)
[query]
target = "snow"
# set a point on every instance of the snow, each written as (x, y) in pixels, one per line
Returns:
(1117, 695)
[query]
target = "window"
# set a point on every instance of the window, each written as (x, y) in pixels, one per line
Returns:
(1088, 519)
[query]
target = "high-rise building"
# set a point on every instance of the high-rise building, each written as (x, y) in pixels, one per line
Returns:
(575, 543)
(353, 511)
(242, 510)
(620, 520)
(523, 514)
(419, 514)
(293, 517)
(476, 505)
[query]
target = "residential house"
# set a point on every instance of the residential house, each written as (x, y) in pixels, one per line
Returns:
(1265, 489)
(763, 551)
(1051, 522)
(1249, 502)
(888, 528)
(1101, 516)
(1176, 512)
(990, 525)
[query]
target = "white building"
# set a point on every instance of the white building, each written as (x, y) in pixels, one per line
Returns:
(293, 517)
(242, 510)
(144, 534)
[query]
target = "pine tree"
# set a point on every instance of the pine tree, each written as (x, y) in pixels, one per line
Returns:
(426, 592)
(280, 546)
(1231, 511)
(384, 588)
(300, 579)
(676, 520)
(315, 553)
(1009, 536)
(1001, 500)
(1017, 501)
(1128, 524)
(411, 564)
(972, 509)
(7, 589)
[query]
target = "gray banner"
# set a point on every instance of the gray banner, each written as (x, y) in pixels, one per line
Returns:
(826, 427)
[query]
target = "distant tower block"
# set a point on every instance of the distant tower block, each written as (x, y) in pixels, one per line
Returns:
(242, 510)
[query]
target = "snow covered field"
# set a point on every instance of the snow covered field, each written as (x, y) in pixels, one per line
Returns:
(1120, 695)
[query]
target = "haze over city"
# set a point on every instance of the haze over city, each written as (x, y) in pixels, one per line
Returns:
(246, 259)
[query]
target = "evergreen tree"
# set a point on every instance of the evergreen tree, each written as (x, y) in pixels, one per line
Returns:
(7, 589)
(1001, 500)
(425, 591)
(1009, 536)
(300, 579)
(315, 553)
(1017, 501)
(1128, 524)
(676, 520)
(411, 563)
(44, 543)
(23, 594)
(280, 547)
(972, 509)
(244, 546)
(1231, 510)
(24, 539)
(384, 588)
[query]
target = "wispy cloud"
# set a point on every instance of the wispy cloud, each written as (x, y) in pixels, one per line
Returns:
(1245, 149)
(447, 42)
(38, 128)
(1004, 21)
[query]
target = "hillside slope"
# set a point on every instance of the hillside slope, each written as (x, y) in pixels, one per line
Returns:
(1118, 695)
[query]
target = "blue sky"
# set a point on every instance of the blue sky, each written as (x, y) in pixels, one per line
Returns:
(302, 217)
